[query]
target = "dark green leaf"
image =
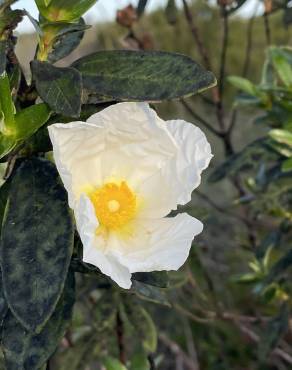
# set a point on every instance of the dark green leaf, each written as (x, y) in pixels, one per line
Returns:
(67, 40)
(9, 19)
(280, 267)
(142, 76)
(156, 278)
(37, 237)
(273, 332)
(28, 351)
(143, 324)
(60, 88)
(149, 293)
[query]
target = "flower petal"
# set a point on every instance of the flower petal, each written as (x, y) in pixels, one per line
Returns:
(94, 246)
(124, 141)
(194, 155)
(76, 148)
(157, 245)
(175, 182)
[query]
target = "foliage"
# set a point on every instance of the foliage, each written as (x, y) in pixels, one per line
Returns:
(41, 253)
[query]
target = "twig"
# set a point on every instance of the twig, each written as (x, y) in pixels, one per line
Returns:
(255, 338)
(176, 350)
(151, 362)
(206, 60)
(190, 343)
(224, 47)
(48, 367)
(196, 33)
(199, 118)
(120, 338)
(267, 28)
(190, 315)
(246, 63)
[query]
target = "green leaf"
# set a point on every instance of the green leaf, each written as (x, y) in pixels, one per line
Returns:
(63, 10)
(156, 278)
(7, 144)
(144, 325)
(281, 136)
(6, 105)
(243, 84)
(60, 88)
(30, 119)
(139, 362)
(9, 19)
(142, 76)
(26, 350)
(113, 364)
(287, 165)
(281, 65)
(37, 237)
(149, 293)
(279, 268)
(67, 40)
(273, 332)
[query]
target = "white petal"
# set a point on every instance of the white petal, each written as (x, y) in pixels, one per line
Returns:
(76, 148)
(175, 182)
(157, 245)
(94, 246)
(193, 157)
(124, 141)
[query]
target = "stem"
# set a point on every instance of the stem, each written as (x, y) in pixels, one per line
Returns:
(200, 119)
(206, 60)
(224, 47)
(267, 28)
(120, 338)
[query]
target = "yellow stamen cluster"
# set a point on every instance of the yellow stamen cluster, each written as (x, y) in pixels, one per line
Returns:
(115, 205)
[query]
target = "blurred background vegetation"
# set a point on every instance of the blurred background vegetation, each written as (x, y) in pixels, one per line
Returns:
(229, 307)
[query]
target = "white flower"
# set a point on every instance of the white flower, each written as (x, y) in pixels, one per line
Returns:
(125, 169)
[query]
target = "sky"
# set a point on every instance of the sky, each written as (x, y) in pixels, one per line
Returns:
(105, 10)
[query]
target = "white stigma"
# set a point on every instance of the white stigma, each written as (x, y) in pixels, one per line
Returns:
(113, 205)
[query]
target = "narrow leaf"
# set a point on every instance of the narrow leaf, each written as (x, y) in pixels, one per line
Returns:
(6, 104)
(37, 237)
(25, 350)
(281, 136)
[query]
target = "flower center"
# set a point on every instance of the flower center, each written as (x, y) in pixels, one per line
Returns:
(115, 205)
